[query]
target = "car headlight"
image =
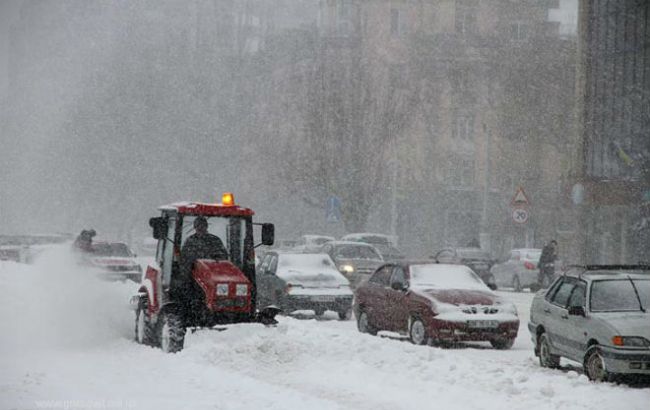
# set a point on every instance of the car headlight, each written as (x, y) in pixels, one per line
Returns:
(630, 341)
(346, 268)
(241, 289)
(222, 289)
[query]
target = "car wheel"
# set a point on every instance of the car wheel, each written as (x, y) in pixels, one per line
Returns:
(363, 324)
(418, 332)
(516, 284)
(143, 331)
(502, 344)
(172, 333)
(345, 314)
(594, 366)
(319, 312)
(546, 359)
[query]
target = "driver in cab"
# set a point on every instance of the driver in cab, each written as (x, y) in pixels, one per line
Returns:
(201, 245)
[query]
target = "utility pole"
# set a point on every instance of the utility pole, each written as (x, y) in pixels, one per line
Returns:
(484, 235)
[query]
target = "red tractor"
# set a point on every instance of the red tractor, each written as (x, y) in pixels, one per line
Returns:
(204, 273)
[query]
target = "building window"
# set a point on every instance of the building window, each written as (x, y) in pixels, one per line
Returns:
(460, 172)
(344, 17)
(518, 31)
(397, 27)
(465, 18)
(463, 127)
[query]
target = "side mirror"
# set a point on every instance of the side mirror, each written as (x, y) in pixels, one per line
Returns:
(492, 286)
(268, 234)
(577, 311)
(159, 226)
(398, 286)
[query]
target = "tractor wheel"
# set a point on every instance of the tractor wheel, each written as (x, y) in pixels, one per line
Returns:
(503, 344)
(516, 284)
(172, 333)
(546, 359)
(364, 325)
(418, 332)
(144, 334)
(345, 314)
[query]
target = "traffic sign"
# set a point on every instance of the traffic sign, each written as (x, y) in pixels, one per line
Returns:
(520, 215)
(520, 198)
(333, 209)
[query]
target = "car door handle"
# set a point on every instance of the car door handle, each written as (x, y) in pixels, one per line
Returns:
(547, 310)
(564, 317)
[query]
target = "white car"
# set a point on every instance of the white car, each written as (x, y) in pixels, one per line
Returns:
(519, 271)
(597, 316)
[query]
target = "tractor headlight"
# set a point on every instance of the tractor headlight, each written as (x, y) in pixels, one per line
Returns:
(346, 268)
(222, 289)
(241, 289)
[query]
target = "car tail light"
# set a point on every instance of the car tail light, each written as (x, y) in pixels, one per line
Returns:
(529, 265)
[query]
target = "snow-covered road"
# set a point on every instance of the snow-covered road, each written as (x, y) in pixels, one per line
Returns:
(68, 345)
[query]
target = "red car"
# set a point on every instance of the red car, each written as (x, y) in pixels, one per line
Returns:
(433, 302)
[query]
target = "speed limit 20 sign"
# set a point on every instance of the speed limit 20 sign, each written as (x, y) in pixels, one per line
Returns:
(520, 215)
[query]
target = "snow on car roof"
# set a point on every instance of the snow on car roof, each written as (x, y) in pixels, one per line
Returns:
(378, 237)
(312, 260)
(445, 276)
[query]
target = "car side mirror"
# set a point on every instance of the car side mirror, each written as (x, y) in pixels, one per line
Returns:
(398, 286)
(159, 226)
(268, 234)
(577, 311)
(492, 286)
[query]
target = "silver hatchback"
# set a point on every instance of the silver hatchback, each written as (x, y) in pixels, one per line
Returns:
(598, 316)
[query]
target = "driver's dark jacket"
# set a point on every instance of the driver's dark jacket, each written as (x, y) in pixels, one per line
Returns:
(206, 246)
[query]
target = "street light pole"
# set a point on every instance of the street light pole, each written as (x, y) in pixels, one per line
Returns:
(484, 234)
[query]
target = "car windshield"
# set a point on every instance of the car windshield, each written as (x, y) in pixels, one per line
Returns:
(308, 261)
(320, 241)
(445, 277)
(357, 252)
(619, 295)
(111, 249)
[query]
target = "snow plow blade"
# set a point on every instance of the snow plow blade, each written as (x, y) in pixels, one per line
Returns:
(267, 315)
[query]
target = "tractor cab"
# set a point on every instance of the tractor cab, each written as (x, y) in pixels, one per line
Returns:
(202, 277)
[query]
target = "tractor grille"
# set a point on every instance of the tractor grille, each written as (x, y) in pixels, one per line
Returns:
(487, 310)
(230, 303)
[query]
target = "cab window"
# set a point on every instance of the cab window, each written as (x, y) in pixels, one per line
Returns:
(577, 297)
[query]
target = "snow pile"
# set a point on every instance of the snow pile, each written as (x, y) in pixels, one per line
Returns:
(57, 303)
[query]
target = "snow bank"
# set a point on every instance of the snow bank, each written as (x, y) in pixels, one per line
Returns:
(57, 303)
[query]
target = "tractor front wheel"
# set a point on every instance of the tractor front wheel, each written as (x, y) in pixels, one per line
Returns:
(172, 333)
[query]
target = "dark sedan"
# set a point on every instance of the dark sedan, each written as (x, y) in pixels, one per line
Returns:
(475, 258)
(437, 303)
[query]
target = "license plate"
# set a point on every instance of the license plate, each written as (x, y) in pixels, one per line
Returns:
(482, 324)
(323, 298)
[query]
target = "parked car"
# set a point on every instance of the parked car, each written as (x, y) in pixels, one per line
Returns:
(432, 302)
(296, 281)
(519, 271)
(597, 316)
(115, 261)
(385, 244)
(311, 243)
(477, 259)
(355, 260)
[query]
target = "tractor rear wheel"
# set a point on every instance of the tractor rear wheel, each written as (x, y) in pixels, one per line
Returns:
(172, 333)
